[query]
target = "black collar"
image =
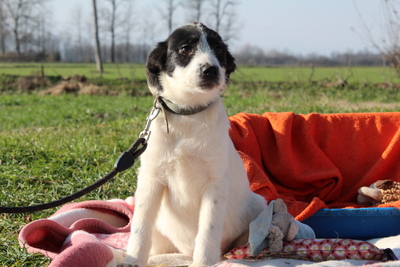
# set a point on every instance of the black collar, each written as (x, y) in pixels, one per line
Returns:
(176, 109)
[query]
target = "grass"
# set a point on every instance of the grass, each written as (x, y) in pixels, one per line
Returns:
(249, 74)
(304, 74)
(112, 71)
(51, 146)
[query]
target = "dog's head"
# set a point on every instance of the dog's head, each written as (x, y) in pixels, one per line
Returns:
(191, 67)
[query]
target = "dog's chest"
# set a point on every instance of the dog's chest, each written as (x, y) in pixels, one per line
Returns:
(187, 174)
(188, 170)
(189, 159)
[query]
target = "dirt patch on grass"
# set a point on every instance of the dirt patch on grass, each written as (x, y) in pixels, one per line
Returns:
(93, 89)
(77, 85)
(61, 88)
(388, 85)
(29, 83)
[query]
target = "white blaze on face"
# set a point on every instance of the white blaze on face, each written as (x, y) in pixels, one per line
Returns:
(204, 54)
(183, 87)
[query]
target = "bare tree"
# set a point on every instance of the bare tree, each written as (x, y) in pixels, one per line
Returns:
(128, 24)
(112, 27)
(222, 15)
(112, 22)
(41, 35)
(3, 28)
(21, 16)
(196, 9)
(172, 5)
(97, 55)
(77, 20)
(147, 34)
(389, 47)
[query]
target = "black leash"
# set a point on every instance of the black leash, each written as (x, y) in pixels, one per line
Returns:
(124, 162)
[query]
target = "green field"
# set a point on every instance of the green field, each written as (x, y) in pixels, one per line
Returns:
(51, 146)
(270, 74)
(301, 74)
(111, 71)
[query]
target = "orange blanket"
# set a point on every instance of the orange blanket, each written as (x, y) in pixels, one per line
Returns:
(317, 160)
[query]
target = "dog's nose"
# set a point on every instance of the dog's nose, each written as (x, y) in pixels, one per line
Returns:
(210, 72)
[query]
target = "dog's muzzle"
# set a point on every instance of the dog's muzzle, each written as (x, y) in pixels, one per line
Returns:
(209, 75)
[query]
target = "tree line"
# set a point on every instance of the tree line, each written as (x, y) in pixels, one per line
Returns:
(255, 56)
(126, 33)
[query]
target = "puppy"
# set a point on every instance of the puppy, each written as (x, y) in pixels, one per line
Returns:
(192, 194)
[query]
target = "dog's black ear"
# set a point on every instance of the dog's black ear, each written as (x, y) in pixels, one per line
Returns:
(156, 62)
(230, 63)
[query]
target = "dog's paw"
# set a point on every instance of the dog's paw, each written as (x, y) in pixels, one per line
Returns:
(126, 264)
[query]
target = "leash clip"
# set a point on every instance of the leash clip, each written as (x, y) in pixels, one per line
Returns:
(145, 134)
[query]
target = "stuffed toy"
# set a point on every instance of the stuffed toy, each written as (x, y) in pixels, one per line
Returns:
(273, 226)
(382, 191)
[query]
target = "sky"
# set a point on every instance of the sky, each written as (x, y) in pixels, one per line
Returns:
(300, 27)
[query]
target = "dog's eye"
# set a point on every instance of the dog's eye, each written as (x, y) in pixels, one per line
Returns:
(218, 50)
(184, 50)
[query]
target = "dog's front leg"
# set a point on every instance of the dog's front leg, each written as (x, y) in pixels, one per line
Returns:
(207, 249)
(147, 202)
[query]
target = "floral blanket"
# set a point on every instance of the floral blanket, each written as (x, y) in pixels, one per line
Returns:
(95, 233)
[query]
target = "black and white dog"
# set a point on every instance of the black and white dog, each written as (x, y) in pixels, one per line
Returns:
(192, 194)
